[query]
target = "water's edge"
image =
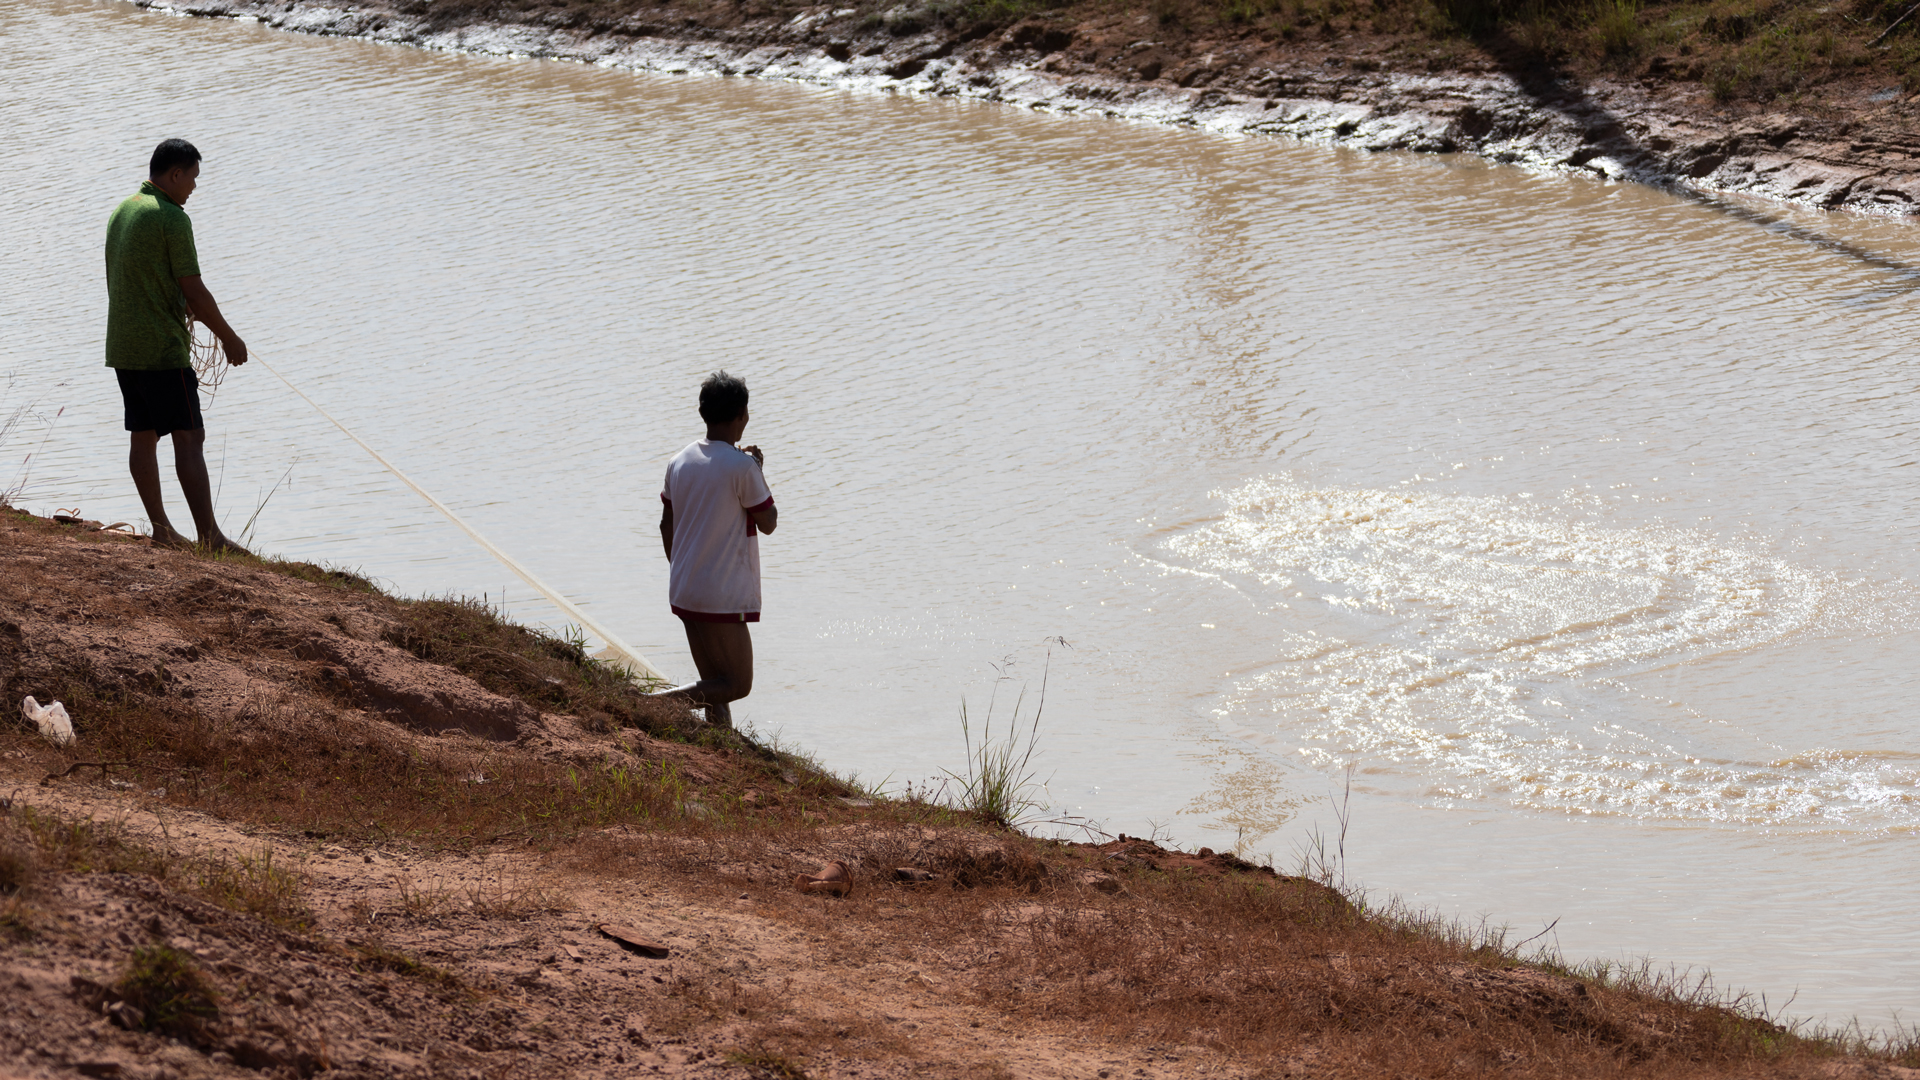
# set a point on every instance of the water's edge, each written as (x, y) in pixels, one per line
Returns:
(1622, 132)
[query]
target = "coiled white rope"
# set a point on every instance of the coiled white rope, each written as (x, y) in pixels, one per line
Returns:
(616, 651)
(209, 358)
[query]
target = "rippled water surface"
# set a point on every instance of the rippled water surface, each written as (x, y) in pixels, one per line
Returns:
(1578, 518)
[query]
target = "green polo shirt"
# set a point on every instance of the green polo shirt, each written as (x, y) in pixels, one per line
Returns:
(149, 249)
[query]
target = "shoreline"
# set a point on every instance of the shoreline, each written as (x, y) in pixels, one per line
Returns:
(405, 838)
(1348, 92)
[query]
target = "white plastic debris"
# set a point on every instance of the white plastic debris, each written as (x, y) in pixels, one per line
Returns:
(51, 719)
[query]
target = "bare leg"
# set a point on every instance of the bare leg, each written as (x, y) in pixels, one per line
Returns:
(723, 654)
(143, 461)
(190, 463)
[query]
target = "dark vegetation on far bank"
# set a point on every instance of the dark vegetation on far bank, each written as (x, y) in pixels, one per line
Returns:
(1794, 52)
(273, 696)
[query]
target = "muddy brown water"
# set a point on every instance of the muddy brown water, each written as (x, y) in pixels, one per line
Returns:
(1578, 518)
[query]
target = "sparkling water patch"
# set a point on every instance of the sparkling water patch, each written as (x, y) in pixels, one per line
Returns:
(1480, 578)
(1488, 649)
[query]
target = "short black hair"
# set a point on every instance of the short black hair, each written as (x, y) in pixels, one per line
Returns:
(723, 398)
(170, 155)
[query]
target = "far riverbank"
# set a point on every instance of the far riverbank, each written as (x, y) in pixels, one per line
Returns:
(1681, 118)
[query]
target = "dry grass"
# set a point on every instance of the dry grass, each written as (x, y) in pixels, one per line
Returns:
(1281, 975)
(312, 769)
(762, 1062)
(19, 871)
(376, 956)
(499, 894)
(173, 995)
(1268, 972)
(309, 768)
(86, 847)
(1752, 50)
(18, 868)
(299, 756)
(550, 673)
(1756, 50)
(16, 920)
(257, 884)
(1277, 974)
(1741, 50)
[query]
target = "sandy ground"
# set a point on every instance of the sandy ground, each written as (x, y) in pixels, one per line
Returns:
(542, 991)
(518, 979)
(420, 922)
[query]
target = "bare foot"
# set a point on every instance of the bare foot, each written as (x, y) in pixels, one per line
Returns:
(220, 545)
(164, 536)
(717, 715)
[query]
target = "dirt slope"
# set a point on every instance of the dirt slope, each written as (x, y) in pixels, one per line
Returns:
(308, 829)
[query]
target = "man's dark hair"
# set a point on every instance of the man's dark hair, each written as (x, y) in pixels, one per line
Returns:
(172, 154)
(723, 398)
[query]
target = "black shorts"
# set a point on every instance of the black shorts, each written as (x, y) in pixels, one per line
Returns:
(162, 402)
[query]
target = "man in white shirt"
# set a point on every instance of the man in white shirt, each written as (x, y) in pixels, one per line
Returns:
(714, 507)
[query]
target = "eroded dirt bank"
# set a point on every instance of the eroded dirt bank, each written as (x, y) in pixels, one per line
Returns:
(1850, 146)
(310, 829)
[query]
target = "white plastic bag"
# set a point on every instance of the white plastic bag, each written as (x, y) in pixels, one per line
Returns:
(52, 720)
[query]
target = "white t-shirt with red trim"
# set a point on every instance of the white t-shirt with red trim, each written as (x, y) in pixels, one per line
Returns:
(711, 488)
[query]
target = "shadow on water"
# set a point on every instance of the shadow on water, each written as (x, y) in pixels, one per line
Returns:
(1552, 88)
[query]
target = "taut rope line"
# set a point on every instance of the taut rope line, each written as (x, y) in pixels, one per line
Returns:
(616, 650)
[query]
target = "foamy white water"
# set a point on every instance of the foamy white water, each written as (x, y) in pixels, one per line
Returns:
(1579, 519)
(1497, 644)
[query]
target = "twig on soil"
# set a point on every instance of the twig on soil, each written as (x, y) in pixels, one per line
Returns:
(1903, 18)
(103, 766)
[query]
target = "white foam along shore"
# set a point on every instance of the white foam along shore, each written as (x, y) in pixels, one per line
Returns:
(1623, 132)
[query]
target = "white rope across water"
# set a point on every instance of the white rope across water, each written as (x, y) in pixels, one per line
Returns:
(616, 651)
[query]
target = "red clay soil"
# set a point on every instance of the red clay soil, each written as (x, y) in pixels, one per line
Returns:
(311, 830)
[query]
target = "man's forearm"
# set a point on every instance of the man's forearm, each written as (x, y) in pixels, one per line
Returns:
(201, 303)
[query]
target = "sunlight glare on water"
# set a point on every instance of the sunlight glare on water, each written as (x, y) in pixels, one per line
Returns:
(1491, 642)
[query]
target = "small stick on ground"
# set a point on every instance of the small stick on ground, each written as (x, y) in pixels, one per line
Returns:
(101, 765)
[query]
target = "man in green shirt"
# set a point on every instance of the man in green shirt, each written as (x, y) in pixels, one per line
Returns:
(153, 283)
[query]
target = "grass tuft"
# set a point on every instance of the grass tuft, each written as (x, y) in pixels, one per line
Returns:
(767, 1064)
(1617, 30)
(257, 885)
(18, 868)
(89, 847)
(170, 991)
(320, 574)
(16, 921)
(551, 672)
(499, 896)
(375, 956)
(999, 785)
